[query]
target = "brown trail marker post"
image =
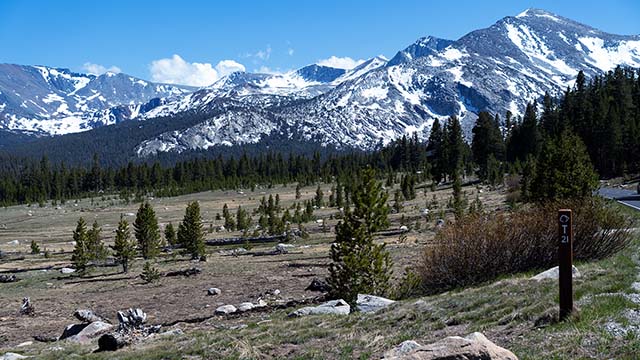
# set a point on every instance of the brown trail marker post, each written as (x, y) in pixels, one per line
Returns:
(565, 257)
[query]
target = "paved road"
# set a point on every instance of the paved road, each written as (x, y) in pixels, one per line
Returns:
(626, 197)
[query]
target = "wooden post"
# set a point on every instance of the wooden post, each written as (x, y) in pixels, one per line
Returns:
(565, 257)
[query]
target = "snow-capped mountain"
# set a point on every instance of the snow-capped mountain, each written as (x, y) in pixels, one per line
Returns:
(498, 69)
(57, 101)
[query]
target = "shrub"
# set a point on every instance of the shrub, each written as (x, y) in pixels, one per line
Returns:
(481, 247)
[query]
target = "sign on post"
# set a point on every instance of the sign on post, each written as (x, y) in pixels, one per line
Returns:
(565, 257)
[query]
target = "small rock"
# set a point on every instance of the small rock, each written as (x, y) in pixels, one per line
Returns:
(213, 291)
(245, 306)
(260, 304)
(403, 348)
(404, 228)
(12, 356)
(66, 270)
(226, 309)
(14, 242)
(553, 273)
(8, 278)
(275, 292)
(370, 303)
(26, 343)
(334, 307)
(636, 286)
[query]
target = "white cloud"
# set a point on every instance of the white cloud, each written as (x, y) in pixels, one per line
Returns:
(264, 54)
(290, 52)
(226, 67)
(267, 70)
(176, 70)
(340, 62)
(97, 69)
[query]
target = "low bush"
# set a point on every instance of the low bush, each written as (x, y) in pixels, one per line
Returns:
(481, 247)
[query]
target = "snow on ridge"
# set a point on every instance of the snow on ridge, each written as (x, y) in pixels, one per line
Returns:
(605, 59)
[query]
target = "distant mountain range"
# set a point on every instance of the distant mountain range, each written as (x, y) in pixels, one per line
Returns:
(497, 69)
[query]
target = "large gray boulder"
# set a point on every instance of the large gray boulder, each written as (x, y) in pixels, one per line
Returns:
(473, 347)
(71, 330)
(371, 303)
(91, 331)
(333, 307)
(554, 273)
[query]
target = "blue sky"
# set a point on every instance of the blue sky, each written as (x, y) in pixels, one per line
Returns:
(184, 41)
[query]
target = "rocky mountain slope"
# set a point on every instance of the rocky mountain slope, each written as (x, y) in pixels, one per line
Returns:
(498, 69)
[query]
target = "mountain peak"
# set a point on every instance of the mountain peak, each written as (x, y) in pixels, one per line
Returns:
(539, 13)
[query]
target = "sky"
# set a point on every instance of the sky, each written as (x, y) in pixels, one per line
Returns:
(197, 42)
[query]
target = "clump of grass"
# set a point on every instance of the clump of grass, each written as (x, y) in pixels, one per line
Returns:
(482, 247)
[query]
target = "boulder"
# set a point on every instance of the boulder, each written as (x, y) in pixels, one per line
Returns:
(112, 342)
(87, 316)
(318, 285)
(8, 278)
(473, 347)
(71, 330)
(226, 309)
(91, 331)
(245, 306)
(12, 356)
(66, 270)
(132, 318)
(554, 273)
(333, 307)
(213, 291)
(371, 303)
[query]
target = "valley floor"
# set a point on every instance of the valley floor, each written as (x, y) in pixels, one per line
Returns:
(514, 312)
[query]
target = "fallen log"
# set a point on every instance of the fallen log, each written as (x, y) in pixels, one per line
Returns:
(302, 265)
(186, 272)
(240, 241)
(391, 232)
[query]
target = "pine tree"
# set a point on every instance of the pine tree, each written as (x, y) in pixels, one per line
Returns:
(319, 199)
(146, 231)
(80, 257)
(95, 247)
(150, 273)
(170, 234)
(229, 222)
(243, 220)
(487, 141)
(435, 145)
(124, 247)
(360, 265)
(298, 194)
(190, 233)
(453, 147)
(35, 249)
(564, 170)
(458, 201)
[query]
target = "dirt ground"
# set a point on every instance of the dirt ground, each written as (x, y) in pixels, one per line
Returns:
(173, 299)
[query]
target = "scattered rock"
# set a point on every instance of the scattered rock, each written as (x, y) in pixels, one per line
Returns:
(318, 285)
(27, 308)
(91, 331)
(14, 242)
(66, 270)
(87, 316)
(226, 309)
(12, 356)
(8, 278)
(26, 343)
(214, 291)
(403, 348)
(335, 307)
(439, 223)
(554, 272)
(475, 346)
(275, 292)
(245, 306)
(636, 286)
(370, 303)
